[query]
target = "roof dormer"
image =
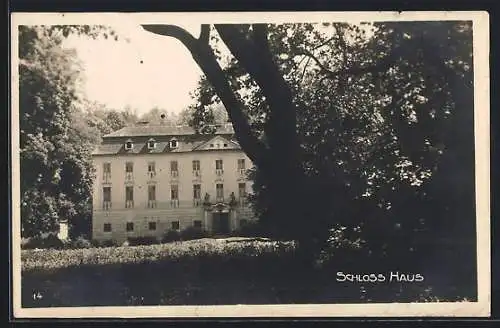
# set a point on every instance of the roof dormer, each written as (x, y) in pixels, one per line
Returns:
(129, 145)
(151, 144)
(173, 144)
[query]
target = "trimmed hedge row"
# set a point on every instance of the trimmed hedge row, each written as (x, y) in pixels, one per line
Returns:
(51, 259)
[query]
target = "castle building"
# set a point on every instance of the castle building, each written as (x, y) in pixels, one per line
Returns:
(152, 178)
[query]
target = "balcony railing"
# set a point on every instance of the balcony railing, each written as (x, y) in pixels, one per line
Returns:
(219, 172)
(106, 205)
(197, 173)
(219, 199)
(174, 203)
(242, 172)
(151, 174)
(161, 205)
(129, 176)
(151, 203)
(106, 177)
(174, 174)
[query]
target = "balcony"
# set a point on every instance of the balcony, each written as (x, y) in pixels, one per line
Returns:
(106, 205)
(174, 203)
(219, 172)
(174, 175)
(197, 173)
(106, 177)
(242, 172)
(219, 199)
(153, 206)
(151, 174)
(129, 177)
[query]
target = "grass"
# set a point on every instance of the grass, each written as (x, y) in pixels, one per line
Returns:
(198, 272)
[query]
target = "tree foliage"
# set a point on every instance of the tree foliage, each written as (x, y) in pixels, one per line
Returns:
(364, 129)
(55, 141)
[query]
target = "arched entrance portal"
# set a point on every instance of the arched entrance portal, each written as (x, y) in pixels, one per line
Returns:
(221, 218)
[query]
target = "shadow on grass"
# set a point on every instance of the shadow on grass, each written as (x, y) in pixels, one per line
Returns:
(217, 280)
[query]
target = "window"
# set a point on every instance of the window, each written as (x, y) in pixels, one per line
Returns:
(107, 227)
(173, 143)
(218, 164)
(241, 189)
(106, 191)
(241, 164)
(196, 165)
(129, 196)
(197, 191)
(175, 225)
(106, 198)
(151, 193)
(197, 224)
(174, 168)
(211, 145)
(130, 226)
(151, 167)
(219, 191)
(129, 167)
(225, 145)
(151, 144)
(174, 192)
(129, 145)
(152, 225)
(106, 167)
(129, 193)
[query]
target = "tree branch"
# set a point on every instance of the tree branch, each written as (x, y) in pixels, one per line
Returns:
(258, 61)
(206, 60)
(173, 31)
(382, 65)
(204, 34)
(260, 36)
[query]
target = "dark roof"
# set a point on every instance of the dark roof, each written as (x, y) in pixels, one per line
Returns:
(152, 130)
(114, 143)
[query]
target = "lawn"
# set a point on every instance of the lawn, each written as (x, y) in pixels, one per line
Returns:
(198, 272)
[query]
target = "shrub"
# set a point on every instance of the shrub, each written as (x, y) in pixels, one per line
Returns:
(170, 236)
(50, 241)
(104, 243)
(191, 233)
(200, 249)
(79, 242)
(249, 229)
(147, 240)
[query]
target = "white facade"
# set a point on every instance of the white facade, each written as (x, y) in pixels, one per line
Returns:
(215, 166)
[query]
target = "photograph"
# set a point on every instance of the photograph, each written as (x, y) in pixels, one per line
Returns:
(279, 164)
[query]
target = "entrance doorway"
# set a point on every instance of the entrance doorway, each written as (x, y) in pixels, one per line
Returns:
(220, 222)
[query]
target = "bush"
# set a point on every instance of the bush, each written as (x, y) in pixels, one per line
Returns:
(104, 243)
(249, 229)
(170, 236)
(80, 242)
(148, 240)
(191, 233)
(51, 241)
(207, 249)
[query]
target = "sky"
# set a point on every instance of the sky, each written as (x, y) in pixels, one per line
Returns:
(140, 71)
(147, 71)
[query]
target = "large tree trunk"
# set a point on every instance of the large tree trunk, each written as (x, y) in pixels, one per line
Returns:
(279, 161)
